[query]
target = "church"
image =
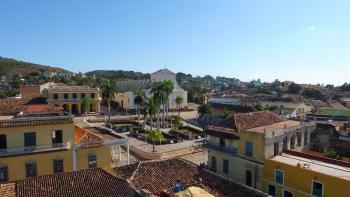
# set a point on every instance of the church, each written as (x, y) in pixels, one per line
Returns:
(125, 89)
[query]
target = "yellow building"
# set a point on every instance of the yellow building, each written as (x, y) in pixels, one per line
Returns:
(43, 140)
(239, 148)
(296, 174)
(71, 98)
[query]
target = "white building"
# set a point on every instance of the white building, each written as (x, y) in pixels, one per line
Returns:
(125, 89)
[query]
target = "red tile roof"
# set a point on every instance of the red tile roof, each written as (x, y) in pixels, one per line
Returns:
(91, 183)
(89, 140)
(35, 121)
(157, 176)
(244, 121)
(41, 108)
(7, 190)
(12, 106)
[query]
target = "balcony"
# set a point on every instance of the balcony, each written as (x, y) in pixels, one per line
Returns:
(33, 149)
(223, 149)
(72, 100)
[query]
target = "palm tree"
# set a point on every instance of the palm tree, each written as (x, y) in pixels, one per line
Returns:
(177, 121)
(108, 90)
(161, 91)
(155, 135)
(204, 110)
(152, 107)
(179, 100)
(139, 99)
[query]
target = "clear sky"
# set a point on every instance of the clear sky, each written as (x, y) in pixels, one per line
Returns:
(307, 41)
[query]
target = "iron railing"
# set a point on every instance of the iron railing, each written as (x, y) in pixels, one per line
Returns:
(33, 149)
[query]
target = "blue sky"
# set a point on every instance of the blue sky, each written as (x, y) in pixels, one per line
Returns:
(303, 40)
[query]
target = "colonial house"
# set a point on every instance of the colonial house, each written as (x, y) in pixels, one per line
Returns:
(125, 89)
(239, 148)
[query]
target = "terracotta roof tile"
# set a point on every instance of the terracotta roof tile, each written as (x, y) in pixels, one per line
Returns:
(7, 190)
(159, 176)
(244, 121)
(89, 140)
(41, 108)
(35, 121)
(90, 183)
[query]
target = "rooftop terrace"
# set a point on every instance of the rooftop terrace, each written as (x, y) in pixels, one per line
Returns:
(315, 163)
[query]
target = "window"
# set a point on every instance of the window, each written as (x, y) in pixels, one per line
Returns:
(225, 166)
(279, 177)
(4, 177)
(287, 193)
(3, 142)
(317, 189)
(271, 190)
(222, 142)
(55, 96)
(65, 96)
(30, 141)
(57, 165)
(249, 149)
(305, 137)
(92, 160)
(82, 95)
(92, 95)
(213, 164)
(31, 170)
(74, 96)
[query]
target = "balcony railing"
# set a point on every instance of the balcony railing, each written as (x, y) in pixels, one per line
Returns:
(223, 149)
(33, 149)
(72, 100)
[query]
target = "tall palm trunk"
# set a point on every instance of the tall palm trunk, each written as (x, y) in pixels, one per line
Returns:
(163, 115)
(138, 115)
(109, 110)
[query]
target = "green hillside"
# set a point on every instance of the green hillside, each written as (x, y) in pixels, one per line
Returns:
(12, 66)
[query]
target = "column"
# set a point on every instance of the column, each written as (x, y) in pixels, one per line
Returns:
(128, 154)
(98, 107)
(308, 137)
(120, 153)
(79, 108)
(70, 107)
(75, 165)
(302, 138)
(288, 142)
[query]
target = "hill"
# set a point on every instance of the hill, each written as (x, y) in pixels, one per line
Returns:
(118, 75)
(12, 66)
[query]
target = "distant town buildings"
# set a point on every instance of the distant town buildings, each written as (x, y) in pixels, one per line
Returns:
(125, 89)
(74, 98)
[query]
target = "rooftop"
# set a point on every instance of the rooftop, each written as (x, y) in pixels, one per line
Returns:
(31, 121)
(275, 127)
(160, 176)
(315, 163)
(133, 85)
(66, 88)
(94, 136)
(245, 121)
(92, 182)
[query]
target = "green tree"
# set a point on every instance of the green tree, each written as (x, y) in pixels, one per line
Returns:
(177, 121)
(155, 135)
(226, 114)
(330, 152)
(86, 104)
(204, 110)
(161, 91)
(151, 108)
(108, 90)
(294, 88)
(139, 99)
(179, 101)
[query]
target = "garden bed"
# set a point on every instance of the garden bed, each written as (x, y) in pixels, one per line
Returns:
(187, 133)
